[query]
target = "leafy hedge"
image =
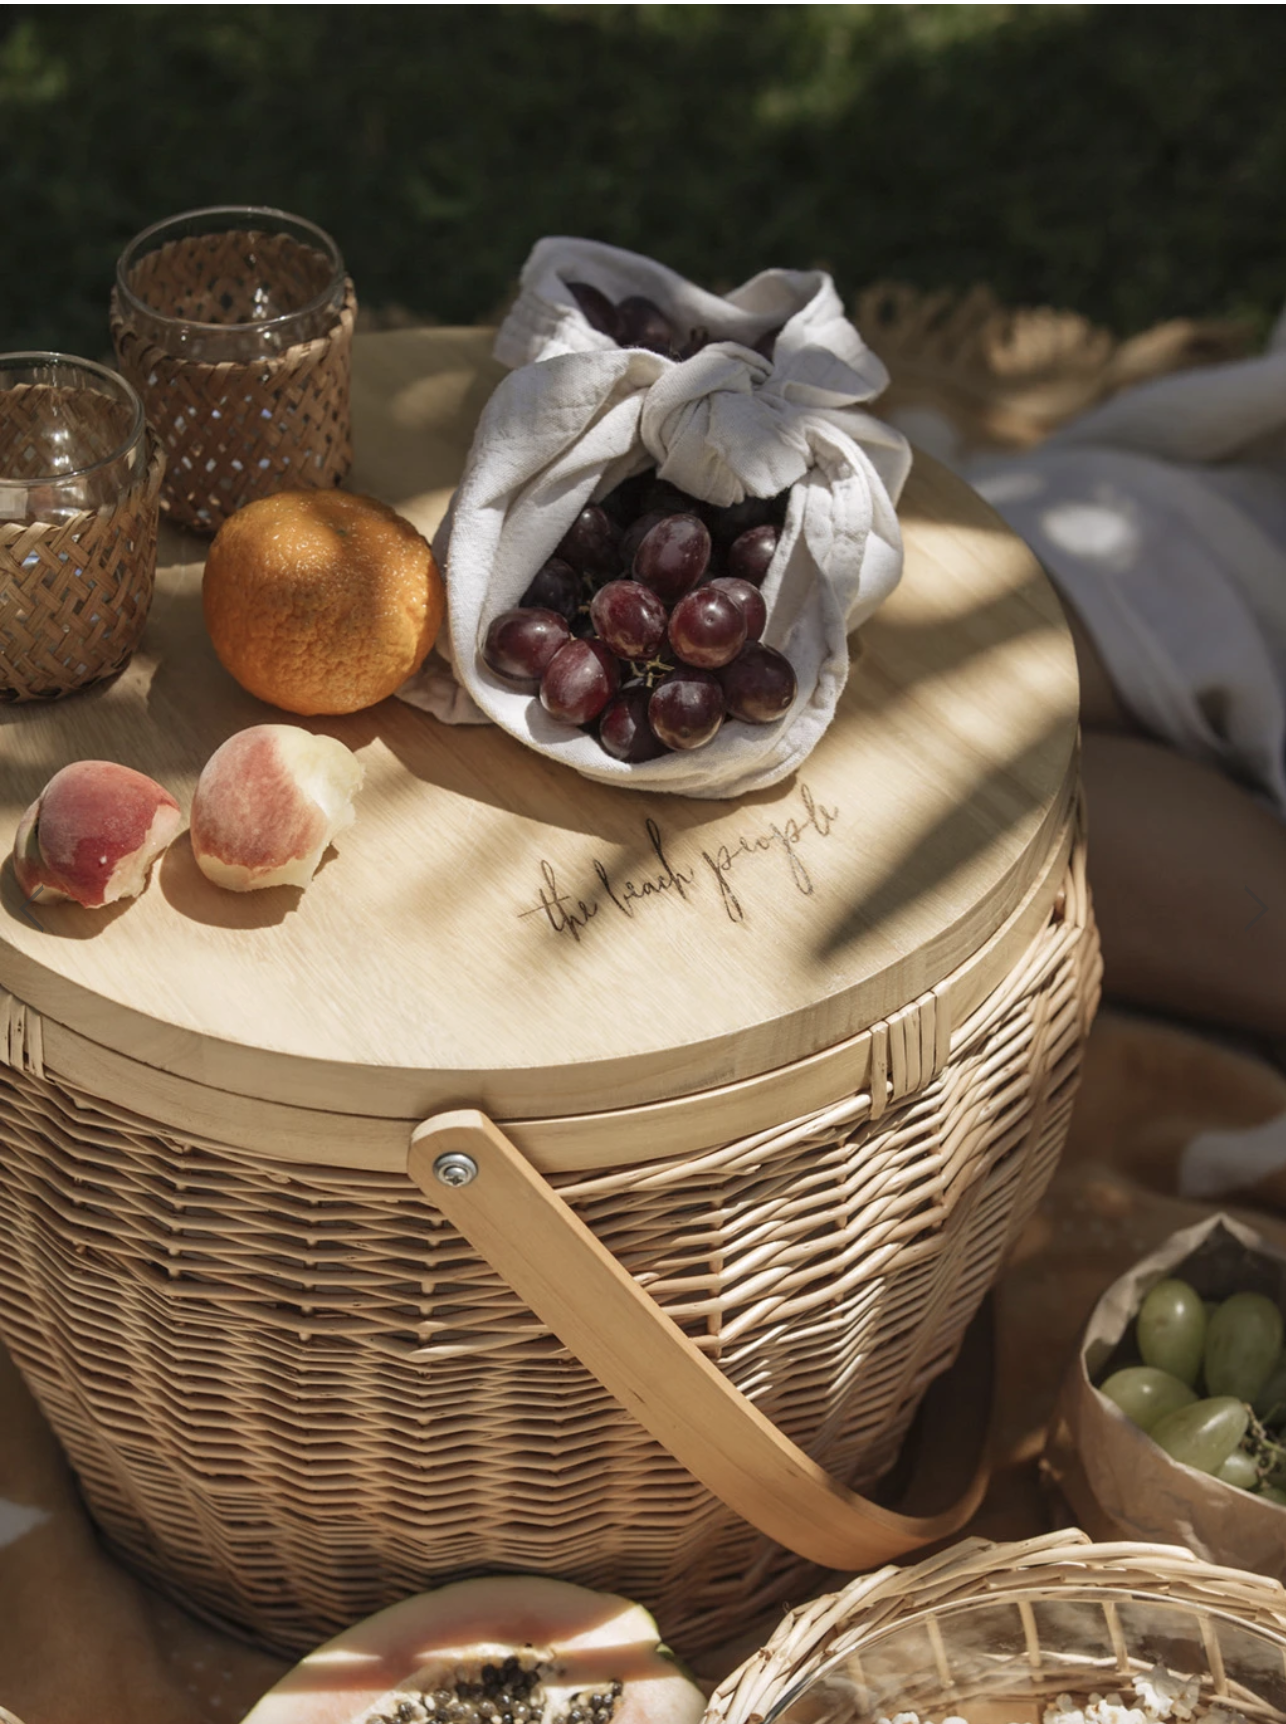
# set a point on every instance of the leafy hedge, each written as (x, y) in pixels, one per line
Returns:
(1125, 161)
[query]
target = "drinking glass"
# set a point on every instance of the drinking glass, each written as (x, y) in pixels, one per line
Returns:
(235, 326)
(79, 481)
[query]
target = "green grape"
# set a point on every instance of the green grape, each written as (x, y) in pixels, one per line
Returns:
(1204, 1434)
(1270, 1402)
(1272, 1494)
(1238, 1470)
(1210, 1306)
(1145, 1394)
(1171, 1330)
(1243, 1342)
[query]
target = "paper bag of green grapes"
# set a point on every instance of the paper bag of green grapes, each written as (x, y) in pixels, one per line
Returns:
(1176, 1402)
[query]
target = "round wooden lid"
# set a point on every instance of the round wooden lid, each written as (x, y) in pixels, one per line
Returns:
(495, 930)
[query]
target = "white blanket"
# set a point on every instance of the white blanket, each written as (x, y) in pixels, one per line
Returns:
(1162, 516)
(579, 414)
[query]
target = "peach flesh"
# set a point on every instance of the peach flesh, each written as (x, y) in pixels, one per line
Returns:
(93, 833)
(267, 805)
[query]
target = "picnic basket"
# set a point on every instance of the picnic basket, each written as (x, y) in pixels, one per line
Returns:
(998, 1631)
(755, 1098)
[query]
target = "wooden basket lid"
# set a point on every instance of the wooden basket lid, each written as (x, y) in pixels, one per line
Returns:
(495, 930)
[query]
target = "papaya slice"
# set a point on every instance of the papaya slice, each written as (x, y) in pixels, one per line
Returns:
(514, 1649)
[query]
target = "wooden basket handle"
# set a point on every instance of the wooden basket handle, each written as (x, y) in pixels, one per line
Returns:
(514, 1219)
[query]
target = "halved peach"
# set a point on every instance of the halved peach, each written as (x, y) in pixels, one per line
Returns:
(93, 833)
(268, 803)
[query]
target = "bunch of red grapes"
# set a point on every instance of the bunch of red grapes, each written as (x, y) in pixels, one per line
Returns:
(644, 626)
(637, 321)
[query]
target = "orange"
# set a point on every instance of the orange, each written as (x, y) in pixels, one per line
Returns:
(321, 601)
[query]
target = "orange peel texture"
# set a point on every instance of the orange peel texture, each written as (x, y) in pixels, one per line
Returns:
(321, 602)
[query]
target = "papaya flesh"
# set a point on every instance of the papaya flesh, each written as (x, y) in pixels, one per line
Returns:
(514, 1649)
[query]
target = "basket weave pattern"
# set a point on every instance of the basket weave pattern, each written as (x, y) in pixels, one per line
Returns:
(236, 430)
(74, 594)
(1048, 1615)
(294, 1394)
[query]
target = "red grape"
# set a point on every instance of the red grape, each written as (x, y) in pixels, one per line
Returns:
(707, 628)
(759, 684)
(521, 643)
(751, 553)
(599, 311)
(629, 617)
(634, 535)
(749, 599)
(672, 556)
(623, 729)
(579, 681)
(644, 324)
(686, 709)
(590, 543)
(554, 587)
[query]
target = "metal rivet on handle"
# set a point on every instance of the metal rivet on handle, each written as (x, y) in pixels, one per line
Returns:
(455, 1168)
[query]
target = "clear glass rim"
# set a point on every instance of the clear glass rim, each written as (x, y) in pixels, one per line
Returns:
(1088, 1592)
(118, 387)
(237, 214)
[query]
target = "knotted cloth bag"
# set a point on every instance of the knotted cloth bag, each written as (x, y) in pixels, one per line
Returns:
(578, 415)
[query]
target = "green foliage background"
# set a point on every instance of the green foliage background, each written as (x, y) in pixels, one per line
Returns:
(1128, 162)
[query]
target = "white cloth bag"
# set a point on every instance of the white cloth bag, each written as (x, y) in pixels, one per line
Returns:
(579, 414)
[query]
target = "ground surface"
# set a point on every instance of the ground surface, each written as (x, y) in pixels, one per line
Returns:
(1126, 162)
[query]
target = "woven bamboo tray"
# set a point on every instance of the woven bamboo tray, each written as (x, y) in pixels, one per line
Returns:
(997, 1631)
(774, 1085)
(74, 593)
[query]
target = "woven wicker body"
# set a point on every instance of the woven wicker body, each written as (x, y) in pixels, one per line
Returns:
(74, 593)
(237, 429)
(997, 1631)
(294, 1394)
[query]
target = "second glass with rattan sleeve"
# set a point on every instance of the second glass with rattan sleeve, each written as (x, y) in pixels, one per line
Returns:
(235, 326)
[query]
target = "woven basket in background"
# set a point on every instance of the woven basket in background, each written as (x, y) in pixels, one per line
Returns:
(74, 594)
(238, 429)
(1005, 377)
(294, 1393)
(1008, 1627)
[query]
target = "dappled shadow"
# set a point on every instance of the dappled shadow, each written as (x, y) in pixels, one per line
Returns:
(935, 643)
(37, 740)
(483, 763)
(955, 839)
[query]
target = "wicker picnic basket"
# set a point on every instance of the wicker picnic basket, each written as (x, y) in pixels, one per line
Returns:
(569, 1180)
(995, 1632)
